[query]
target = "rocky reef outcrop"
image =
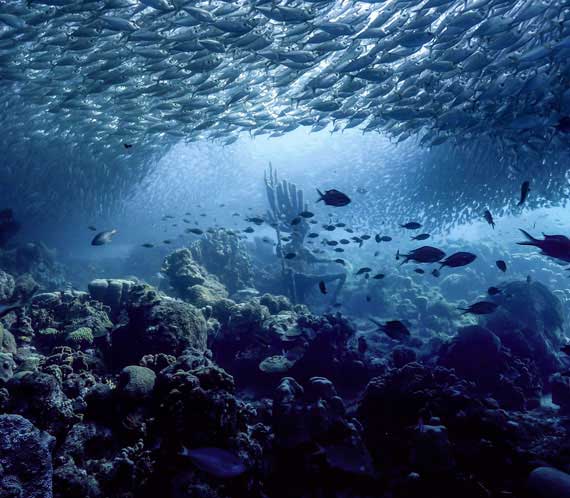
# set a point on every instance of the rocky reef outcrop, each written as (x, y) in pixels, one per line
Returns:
(529, 322)
(222, 253)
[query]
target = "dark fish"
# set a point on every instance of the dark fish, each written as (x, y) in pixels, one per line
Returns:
(331, 243)
(256, 219)
(313, 235)
(368, 299)
(363, 270)
(349, 230)
(436, 273)
(340, 261)
(480, 308)
(379, 276)
(361, 190)
(103, 238)
(333, 198)
(344, 241)
(411, 225)
(394, 329)
(340, 225)
(167, 241)
(249, 230)
(296, 221)
(501, 265)
(216, 462)
(563, 125)
(489, 218)
(322, 287)
(306, 214)
(554, 246)
(339, 249)
(365, 237)
(424, 254)
(493, 291)
(419, 270)
(385, 238)
(195, 231)
(421, 236)
(127, 146)
(525, 189)
(92, 228)
(458, 259)
(377, 238)
(147, 245)
(290, 255)
(329, 228)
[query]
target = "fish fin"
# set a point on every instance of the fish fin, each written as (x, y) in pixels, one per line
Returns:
(322, 196)
(531, 240)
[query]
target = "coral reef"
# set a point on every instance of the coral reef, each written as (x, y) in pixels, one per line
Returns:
(36, 260)
(110, 392)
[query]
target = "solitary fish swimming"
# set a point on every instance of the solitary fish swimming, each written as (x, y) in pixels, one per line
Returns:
(525, 189)
(480, 308)
(103, 238)
(554, 246)
(334, 198)
(424, 254)
(489, 218)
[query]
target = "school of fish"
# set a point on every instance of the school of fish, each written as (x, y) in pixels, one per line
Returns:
(122, 72)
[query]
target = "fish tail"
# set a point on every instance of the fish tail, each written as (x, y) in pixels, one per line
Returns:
(531, 240)
(322, 196)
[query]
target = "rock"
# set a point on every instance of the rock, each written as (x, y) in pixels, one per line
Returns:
(7, 341)
(184, 272)
(6, 286)
(38, 396)
(402, 355)
(136, 383)
(161, 326)
(546, 482)
(223, 254)
(275, 304)
(25, 459)
(276, 364)
(7, 365)
(431, 451)
(474, 353)
(529, 322)
(111, 292)
(560, 385)
(80, 338)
